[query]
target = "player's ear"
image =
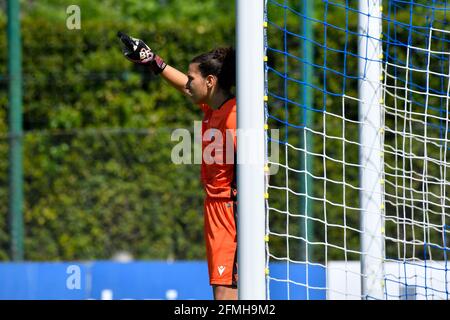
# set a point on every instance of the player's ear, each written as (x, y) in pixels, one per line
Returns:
(211, 81)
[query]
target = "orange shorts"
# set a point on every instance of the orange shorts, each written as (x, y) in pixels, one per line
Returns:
(221, 241)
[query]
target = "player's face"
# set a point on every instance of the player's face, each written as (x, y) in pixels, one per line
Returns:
(196, 85)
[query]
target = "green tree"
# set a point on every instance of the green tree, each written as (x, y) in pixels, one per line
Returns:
(98, 171)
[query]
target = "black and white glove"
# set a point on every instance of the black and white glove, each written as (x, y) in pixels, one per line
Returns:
(137, 51)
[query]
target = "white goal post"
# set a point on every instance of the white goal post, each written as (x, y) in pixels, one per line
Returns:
(250, 149)
(370, 114)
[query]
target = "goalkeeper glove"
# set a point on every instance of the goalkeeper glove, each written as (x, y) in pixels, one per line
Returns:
(138, 52)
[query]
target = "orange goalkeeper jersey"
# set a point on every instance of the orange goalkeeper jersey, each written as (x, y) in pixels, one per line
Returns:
(218, 150)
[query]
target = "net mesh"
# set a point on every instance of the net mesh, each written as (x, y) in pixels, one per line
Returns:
(313, 208)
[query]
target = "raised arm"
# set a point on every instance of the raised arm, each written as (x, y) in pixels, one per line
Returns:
(176, 79)
(138, 52)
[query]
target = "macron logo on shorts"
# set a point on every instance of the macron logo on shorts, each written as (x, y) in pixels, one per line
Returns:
(221, 269)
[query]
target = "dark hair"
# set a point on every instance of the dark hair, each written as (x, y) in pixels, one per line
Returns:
(220, 62)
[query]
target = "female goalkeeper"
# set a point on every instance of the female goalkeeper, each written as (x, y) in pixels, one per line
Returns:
(208, 83)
